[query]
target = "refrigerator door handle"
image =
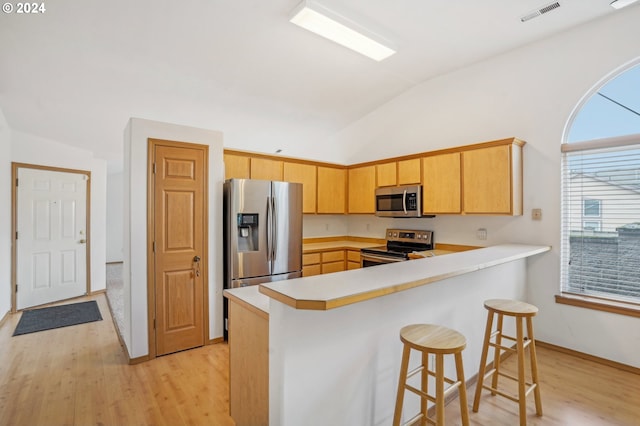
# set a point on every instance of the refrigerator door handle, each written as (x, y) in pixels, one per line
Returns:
(269, 228)
(274, 239)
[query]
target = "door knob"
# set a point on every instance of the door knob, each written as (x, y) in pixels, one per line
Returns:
(196, 259)
(82, 241)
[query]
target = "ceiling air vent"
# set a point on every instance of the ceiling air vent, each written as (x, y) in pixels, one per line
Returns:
(538, 12)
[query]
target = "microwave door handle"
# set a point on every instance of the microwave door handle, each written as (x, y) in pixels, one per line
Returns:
(404, 201)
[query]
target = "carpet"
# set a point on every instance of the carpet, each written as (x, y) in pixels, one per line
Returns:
(57, 316)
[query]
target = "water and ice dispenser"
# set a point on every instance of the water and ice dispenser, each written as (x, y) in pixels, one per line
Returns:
(248, 232)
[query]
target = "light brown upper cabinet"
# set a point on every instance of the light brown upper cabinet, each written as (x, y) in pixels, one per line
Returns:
(492, 179)
(362, 188)
(332, 184)
(409, 171)
(263, 168)
(441, 184)
(386, 174)
(236, 166)
(306, 175)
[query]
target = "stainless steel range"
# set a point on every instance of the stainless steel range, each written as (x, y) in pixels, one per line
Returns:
(400, 242)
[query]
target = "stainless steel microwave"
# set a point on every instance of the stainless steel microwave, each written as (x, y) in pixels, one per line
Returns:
(399, 201)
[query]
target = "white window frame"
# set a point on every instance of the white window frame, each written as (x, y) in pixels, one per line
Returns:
(606, 302)
(584, 208)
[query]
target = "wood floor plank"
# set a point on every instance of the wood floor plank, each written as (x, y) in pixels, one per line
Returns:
(79, 376)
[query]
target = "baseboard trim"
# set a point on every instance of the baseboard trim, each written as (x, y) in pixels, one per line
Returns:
(138, 360)
(93, 293)
(4, 318)
(215, 341)
(582, 355)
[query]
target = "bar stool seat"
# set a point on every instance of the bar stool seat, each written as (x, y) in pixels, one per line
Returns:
(518, 310)
(440, 341)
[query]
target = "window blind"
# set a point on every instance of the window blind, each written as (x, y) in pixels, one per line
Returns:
(601, 221)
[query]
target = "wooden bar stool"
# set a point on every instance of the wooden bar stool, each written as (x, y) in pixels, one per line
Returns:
(440, 341)
(519, 310)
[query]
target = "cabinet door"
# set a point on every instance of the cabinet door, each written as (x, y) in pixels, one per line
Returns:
(331, 190)
(386, 174)
(409, 171)
(306, 175)
(236, 166)
(441, 183)
(487, 180)
(362, 187)
(263, 168)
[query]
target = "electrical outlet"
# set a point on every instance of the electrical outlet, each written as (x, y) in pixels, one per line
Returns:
(481, 234)
(536, 214)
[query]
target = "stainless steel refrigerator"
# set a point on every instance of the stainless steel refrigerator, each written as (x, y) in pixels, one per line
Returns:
(262, 231)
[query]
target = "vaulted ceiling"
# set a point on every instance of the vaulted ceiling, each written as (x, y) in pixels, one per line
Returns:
(78, 71)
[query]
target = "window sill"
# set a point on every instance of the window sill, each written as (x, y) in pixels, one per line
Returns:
(589, 302)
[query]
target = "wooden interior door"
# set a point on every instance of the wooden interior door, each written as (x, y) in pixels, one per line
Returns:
(179, 241)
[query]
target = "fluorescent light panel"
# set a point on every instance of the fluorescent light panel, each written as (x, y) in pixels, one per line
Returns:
(322, 21)
(619, 4)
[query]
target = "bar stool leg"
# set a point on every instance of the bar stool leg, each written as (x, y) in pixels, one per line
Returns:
(534, 366)
(440, 389)
(464, 410)
(496, 355)
(404, 367)
(483, 361)
(522, 401)
(425, 387)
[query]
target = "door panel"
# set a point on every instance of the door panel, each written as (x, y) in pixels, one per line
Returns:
(250, 251)
(51, 220)
(288, 227)
(179, 235)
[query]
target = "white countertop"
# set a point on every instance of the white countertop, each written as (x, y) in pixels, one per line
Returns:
(328, 291)
(249, 295)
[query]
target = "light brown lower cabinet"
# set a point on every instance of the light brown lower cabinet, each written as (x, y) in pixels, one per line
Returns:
(326, 262)
(248, 364)
(353, 259)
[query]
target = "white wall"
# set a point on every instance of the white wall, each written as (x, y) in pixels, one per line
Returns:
(528, 93)
(5, 217)
(115, 216)
(31, 149)
(136, 135)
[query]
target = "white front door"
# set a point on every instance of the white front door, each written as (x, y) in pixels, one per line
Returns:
(51, 236)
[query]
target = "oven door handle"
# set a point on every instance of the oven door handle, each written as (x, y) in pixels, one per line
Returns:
(385, 259)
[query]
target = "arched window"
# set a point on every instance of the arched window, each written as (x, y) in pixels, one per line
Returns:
(601, 194)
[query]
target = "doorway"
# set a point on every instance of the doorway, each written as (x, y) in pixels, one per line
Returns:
(50, 230)
(177, 247)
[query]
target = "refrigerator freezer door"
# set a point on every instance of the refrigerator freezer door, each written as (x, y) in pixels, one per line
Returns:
(247, 222)
(287, 235)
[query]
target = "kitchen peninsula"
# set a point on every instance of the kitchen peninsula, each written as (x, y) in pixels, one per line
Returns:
(333, 345)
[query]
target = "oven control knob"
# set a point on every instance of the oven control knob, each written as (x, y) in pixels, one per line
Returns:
(419, 236)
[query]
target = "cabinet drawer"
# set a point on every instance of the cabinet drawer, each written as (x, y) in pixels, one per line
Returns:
(353, 265)
(310, 270)
(353, 256)
(310, 258)
(327, 268)
(332, 256)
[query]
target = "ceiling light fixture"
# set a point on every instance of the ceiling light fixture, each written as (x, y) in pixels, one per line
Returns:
(316, 18)
(619, 4)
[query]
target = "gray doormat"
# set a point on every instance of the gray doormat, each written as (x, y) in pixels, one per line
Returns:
(57, 316)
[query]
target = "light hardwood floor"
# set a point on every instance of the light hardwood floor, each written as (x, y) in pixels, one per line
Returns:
(79, 376)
